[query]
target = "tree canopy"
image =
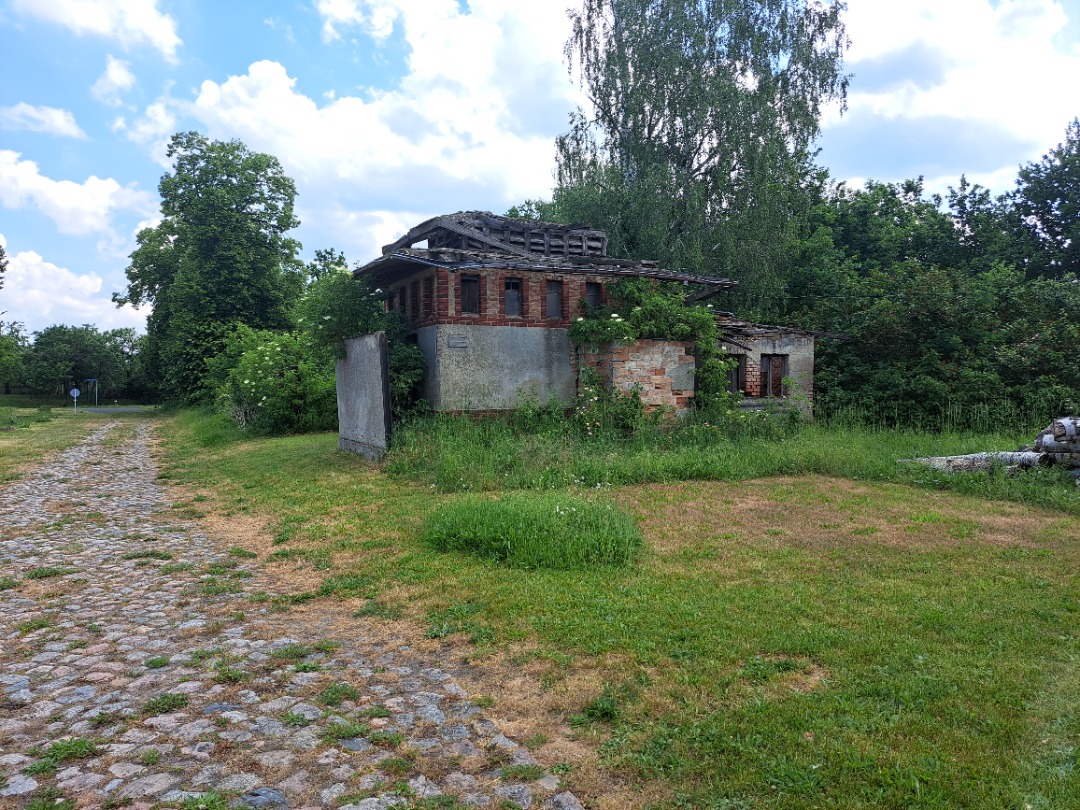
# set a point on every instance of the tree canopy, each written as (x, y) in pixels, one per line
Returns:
(220, 257)
(696, 148)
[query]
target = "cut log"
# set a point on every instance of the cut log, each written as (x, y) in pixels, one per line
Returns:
(1066, 429)
(979, 462)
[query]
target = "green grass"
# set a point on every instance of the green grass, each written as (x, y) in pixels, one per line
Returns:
(57, 753)
(47, 572)
(163, 704)
(808, 624)
(157, 662)
(151, 554)
(527, 530)
(337, 693)
(292, 652)
(7, 583)
(344, 729)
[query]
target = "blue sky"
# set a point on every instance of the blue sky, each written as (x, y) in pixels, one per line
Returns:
(386, 112)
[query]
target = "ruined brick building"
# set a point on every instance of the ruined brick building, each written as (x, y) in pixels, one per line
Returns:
(491, 299)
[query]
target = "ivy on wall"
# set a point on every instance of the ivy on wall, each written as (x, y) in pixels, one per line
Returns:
(641, 309)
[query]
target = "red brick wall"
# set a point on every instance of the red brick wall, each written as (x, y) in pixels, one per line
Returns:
(648, 364)
(445, 289)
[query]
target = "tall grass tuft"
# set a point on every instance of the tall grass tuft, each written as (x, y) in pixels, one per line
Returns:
(529, 530)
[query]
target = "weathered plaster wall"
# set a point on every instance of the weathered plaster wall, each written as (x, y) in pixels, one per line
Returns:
(800, 369)
(363, 396)
(664, 370)
(486, 367)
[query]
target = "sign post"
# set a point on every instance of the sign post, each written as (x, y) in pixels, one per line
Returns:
(75, 396)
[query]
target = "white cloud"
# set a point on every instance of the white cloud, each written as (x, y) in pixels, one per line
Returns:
(998, 63)
(50, 120)
(374, 17)
(39, 293)
(152, 129)
(129, 22)
(76, 208)
(116, 79)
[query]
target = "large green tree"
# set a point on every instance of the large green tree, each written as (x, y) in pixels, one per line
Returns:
(65, 355)
(220, 257)
(1047, 202)
(695, 148)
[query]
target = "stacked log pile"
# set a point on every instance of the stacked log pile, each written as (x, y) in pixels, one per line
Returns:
(1058, 445)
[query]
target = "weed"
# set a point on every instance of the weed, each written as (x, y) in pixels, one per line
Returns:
(396, 766)
(307, 666)
(32, 625)
(295, 720)
(535, 741)
(603, 709)
(386, 739)
(336, 693)
(225, 673)
(162, 704)
(522, 773)
(94, 628)
(220, 567)
(374, 711)
(207, 801)
(7, 583)
(527, 530)
(348, 585)
(484, 701)
(157, 662)
(176, 568)
(211, 586)
(50, 798)
(60, 752)
(105, 719)
(151, 554)
(242, 553)
(46, 572)
(344, 729)
(327, 646)
(150, 757)
(291, 652)
(378, 610)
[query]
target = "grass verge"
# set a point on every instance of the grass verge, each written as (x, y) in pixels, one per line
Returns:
(817, 627)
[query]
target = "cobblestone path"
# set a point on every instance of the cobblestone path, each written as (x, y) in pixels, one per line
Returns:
(135, 672)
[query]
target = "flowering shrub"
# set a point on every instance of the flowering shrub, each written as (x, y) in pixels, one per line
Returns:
(278, 385)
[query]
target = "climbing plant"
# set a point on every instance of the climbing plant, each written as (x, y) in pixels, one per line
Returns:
(641, 309)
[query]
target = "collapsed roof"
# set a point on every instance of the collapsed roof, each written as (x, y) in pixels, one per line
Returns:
(471, 240)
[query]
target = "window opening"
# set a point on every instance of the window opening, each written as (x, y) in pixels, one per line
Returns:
(554, 300)
(773, 371)
(737, 375)
(513, 297)
(592, 293)
(470, 295)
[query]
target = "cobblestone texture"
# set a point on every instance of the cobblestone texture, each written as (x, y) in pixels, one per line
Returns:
(131, 675)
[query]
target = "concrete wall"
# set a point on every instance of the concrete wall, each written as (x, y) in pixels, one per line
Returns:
(363, 396)
(800, 353)
(485, 367)
(662, 369)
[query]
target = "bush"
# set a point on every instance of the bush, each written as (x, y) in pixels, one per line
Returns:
(536, 531)
(277, 386)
